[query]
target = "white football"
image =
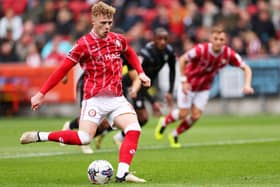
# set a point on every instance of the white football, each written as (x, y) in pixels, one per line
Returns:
(100, 172)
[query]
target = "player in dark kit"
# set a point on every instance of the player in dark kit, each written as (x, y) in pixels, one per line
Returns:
(153, 57)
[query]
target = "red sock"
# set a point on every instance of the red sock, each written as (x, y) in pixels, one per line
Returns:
(169, 119)
(183, 127)
(129, 146)
(66, 137)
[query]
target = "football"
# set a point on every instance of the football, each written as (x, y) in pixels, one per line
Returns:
(100, 172)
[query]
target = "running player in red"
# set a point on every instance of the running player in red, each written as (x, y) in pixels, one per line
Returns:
(198, 67)
(98, 53)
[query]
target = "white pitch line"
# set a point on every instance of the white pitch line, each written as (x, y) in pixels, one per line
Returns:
(156, 147)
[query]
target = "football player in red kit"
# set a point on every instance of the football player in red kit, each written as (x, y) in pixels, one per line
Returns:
(99, 54)
(198, 66)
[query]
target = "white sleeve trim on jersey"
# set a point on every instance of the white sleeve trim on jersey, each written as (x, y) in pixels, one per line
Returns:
(238, 57)
(140, 59)
(191, 54)
(72, 59)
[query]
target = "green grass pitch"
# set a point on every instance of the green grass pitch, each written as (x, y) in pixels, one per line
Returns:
(228, 151)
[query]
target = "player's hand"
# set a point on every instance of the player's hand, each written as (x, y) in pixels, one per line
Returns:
(146, 81)
(156, 109)
(169, 100)
(248, 90)
(64, 80)
(186, 87)
(36, 100)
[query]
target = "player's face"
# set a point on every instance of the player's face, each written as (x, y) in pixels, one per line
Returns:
(218, 40)
(102, 25)
(161, 41)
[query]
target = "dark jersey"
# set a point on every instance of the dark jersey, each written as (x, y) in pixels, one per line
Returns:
(153, 61)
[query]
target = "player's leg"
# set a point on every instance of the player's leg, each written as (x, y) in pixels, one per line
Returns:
(103, 129)
(184, 126)
(200, 100)
(89, 119)
(81, 137)
(124, 117)
(142, 115)
(74, 124)
(132, 130)
(184, 103)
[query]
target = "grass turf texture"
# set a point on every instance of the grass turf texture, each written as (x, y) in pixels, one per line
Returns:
(218, 151)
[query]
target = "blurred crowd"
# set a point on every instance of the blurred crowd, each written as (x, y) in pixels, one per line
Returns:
(41, 32)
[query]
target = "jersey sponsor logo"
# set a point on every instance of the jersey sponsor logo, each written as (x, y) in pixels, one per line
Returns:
(107, 57)
(112, 56)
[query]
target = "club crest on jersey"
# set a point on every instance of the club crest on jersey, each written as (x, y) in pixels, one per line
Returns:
(91, 112)
(118, 43)
(224, 61)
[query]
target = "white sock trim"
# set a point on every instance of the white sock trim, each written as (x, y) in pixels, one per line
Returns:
(175, 114)
(84, 137)
(44, 136)
(122, 169)
(132, 127)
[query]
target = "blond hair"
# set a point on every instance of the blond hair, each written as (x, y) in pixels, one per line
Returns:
(103, 9)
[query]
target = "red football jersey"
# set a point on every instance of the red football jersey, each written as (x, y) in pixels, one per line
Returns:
(102, 63)
(204, 64)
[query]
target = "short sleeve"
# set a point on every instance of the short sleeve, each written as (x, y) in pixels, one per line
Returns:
(77, 53)
(123, 42)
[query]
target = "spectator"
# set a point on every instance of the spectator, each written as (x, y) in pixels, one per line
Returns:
(12, 22)
(22, 45)
(263, 26)
(81, 26)
(33, 58)
(34, 10)
(131, 17)
(63, 46)
(49, 12)
(253, 45)
(64, 22)
(274, 48)
(238, 45)
(161, 20)
(7, 52)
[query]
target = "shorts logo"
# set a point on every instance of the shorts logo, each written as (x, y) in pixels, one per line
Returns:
(91, 112)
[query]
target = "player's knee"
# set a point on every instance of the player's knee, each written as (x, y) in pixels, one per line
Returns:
(183, 113)
(132, 127)
(195, 116)
(84, 137)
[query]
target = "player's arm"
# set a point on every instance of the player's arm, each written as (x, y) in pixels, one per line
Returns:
(236, 60)
(247, 89)
(183, 60)
(172, 72)
(51, 82)
(136, 83)
(133, 60)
